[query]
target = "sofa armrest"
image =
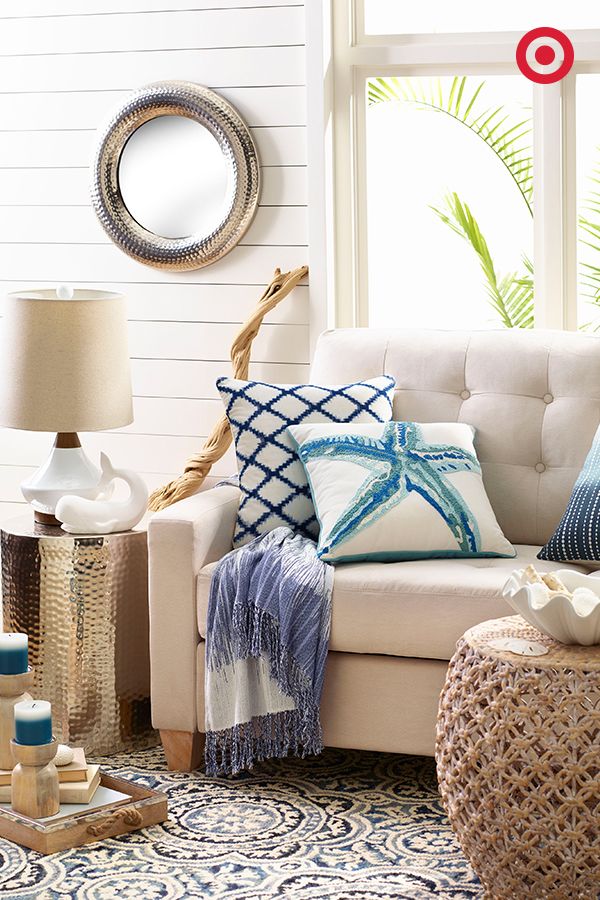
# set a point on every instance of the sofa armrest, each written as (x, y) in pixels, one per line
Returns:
(181, 540)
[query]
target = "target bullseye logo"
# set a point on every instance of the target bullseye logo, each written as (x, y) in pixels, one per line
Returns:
(545, 55)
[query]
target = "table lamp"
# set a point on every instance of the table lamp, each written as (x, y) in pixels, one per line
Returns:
(64, 368)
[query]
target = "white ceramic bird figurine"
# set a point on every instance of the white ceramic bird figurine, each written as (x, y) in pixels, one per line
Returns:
(80, 515)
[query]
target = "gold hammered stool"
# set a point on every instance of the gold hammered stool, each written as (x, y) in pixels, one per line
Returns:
(518, 760)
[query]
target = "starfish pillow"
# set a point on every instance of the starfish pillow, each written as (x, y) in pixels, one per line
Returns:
(399, 490)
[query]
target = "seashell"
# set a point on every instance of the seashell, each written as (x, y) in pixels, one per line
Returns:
(571, 616)
(584, 600)
(519, 646)
(64, 755)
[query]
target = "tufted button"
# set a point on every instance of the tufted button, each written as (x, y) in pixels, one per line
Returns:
(464, 395)
(540, 467)
(548, 398)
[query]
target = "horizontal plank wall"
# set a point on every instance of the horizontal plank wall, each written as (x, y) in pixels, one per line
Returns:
(64, 66)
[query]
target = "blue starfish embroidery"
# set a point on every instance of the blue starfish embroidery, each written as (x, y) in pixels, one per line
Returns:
(400, 461)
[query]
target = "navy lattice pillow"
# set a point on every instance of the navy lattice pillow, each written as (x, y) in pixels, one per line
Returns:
(577, 536)
(272, 478)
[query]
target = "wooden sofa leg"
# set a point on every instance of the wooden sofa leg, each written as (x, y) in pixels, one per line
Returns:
(184, 749)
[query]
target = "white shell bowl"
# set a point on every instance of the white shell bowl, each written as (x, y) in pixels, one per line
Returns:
(64, 755)
(556, 616)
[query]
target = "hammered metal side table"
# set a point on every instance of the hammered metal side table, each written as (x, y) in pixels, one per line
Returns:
(83, 601)
(518, 763)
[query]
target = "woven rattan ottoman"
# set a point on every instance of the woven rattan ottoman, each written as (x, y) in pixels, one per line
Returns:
(518, 760)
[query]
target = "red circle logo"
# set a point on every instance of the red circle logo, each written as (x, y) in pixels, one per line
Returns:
(545, 55)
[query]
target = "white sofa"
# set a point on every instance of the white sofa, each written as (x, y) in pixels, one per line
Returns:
(534, 398)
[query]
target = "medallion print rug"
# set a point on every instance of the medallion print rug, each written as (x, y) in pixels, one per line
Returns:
(346, 825)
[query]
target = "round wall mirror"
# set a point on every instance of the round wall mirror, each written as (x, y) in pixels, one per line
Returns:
(174, 179)
(176, 176)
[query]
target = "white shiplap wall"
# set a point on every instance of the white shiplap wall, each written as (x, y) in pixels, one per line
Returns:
(64, 65)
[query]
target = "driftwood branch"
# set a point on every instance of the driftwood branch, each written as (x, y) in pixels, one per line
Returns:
(199, 465)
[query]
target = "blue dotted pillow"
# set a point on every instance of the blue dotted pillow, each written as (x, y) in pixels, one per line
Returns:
(273, 482)
(577, 536)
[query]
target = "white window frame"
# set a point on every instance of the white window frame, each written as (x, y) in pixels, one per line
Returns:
(340, 57)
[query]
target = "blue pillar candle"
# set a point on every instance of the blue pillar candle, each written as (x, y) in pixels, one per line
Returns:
(33, 722)
(13, 653)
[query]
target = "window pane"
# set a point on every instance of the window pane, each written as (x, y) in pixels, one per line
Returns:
(439, 16)
(588, 201)
(449, 201)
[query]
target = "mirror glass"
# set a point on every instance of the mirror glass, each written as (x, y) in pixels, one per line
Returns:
(174, 179)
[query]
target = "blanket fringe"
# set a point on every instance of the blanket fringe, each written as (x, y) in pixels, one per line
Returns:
(273, 736)
(256, 633)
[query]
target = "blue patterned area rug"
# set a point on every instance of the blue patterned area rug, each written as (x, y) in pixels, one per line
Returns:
(347, 825)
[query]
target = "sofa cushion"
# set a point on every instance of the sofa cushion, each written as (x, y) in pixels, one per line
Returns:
(418, 608)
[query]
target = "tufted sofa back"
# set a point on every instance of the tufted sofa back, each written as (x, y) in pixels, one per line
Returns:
(533, 397)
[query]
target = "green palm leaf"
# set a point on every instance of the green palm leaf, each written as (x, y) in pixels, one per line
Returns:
(509, 140)
(511, 296)
(589, 269)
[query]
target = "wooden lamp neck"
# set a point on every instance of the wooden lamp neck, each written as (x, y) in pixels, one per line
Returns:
(66, 440)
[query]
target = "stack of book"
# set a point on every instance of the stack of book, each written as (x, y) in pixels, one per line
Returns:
(78, 781)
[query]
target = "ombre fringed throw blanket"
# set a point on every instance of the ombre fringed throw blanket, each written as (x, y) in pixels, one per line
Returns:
(267, 636)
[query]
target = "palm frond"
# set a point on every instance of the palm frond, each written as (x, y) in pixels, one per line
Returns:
(511, 296)
(510, 140)
(589, 225)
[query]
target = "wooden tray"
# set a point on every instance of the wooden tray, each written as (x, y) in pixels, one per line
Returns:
(82, 825)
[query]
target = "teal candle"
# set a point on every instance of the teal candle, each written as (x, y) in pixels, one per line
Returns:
(13, 653)
(33, 722)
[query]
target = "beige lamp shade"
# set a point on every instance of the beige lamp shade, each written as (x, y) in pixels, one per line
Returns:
(64, 364)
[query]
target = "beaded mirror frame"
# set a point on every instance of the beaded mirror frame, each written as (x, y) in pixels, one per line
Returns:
(176, 98)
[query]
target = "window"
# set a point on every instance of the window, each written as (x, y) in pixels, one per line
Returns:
(448, 164)
(465, 195)
(440, 16)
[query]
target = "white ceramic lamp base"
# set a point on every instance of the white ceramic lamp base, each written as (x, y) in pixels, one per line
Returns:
(66, 471)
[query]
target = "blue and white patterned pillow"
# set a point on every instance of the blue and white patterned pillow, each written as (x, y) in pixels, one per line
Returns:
(577, 536)
(272, 478)
(401, 490)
